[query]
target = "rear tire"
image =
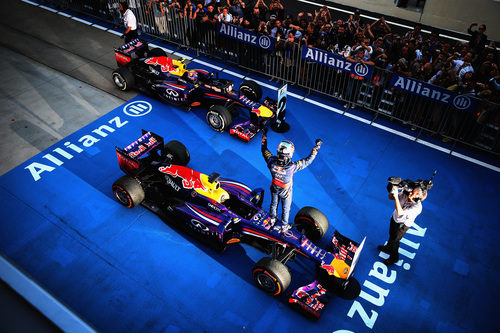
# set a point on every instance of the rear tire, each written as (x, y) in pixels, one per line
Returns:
(156, 52)
(251, 90)
(179, 152)
(312, 222)
(219, 118)
(128, 191)
(271, 276)
(123, 79)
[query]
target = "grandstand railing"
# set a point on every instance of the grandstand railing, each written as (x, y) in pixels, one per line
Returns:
(475, 125)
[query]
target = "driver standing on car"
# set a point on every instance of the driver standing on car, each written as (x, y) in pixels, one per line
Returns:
(130, 23)
(282, 169)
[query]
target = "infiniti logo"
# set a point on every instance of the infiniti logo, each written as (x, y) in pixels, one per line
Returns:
(198, 225)
(137, 108)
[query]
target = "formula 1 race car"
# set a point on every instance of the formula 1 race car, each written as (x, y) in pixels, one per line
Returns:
(152, 72)
(220, 211)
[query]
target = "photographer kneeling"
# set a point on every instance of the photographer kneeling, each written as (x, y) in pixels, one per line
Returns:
(408, 207)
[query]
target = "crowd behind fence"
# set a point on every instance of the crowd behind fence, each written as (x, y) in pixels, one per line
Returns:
(381, 90)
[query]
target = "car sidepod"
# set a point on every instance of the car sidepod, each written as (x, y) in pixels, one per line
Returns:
(173, 93)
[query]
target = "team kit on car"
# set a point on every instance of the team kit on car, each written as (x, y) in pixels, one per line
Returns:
(215, 210)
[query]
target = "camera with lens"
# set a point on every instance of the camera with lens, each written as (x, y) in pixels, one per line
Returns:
(408, 185)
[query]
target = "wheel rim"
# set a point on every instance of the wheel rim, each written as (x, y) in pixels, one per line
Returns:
(249, 93)
(215, 121)
(119, 81)
(122, 196)
(266, 282)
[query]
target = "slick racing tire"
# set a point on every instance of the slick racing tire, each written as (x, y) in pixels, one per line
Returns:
(251, 90)
(271, 276)
(128, 191)
(179, 152)
(156, 52)
(123, 79)
(219, 118)
(311, 222)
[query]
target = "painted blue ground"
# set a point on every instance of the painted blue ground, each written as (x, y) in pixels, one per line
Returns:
(126, 270)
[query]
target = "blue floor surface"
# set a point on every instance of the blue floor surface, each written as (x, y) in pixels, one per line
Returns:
(125, 270)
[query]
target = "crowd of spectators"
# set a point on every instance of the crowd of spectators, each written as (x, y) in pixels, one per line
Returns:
(466, 67)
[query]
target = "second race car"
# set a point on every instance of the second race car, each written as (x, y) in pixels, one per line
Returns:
(151, 71)
(221, 211)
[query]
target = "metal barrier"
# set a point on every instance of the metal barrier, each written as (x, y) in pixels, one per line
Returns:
(478, 128)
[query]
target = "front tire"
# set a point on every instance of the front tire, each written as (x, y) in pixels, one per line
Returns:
(219, 118)
(312, 223)
(251, 90)
(179, 152)
(128, 191)
(123, 79)
(271, 276)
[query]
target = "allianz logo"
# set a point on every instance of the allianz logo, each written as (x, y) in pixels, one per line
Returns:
(137, 108)
(59, 155)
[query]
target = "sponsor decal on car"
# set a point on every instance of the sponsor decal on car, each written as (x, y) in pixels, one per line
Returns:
(200, 228)
(190, 179)
(142, 145)
(165, 63)
(172, 184)
(214, 207)
(290, 234)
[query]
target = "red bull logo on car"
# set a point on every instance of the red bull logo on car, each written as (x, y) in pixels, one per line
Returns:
(190, 179)
(166, 63)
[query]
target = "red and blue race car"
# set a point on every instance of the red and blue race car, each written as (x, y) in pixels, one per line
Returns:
(152, 72)
(220, 211)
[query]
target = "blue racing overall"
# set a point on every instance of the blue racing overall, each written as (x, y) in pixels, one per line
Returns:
(281, 186)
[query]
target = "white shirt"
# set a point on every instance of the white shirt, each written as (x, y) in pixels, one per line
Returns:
(129, 20)
(462, 67)
(228, 18)
(368, 52)
(411, 211)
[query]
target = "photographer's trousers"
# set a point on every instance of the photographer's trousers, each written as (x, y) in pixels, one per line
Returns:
(396, 232)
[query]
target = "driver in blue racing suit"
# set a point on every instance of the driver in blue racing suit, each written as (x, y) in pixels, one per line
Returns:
(282, 169)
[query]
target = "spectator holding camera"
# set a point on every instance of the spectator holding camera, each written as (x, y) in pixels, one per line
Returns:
(263, 28)
(225, 16)
(378, 53)
(263, 9)
(364, 44)
(276, 8)
(478, 38)
(415, 34)
(189, 9)
(408, 207)
(323, 14)
(460, 67)
(355, 23)
(237, 7)
(445, 77)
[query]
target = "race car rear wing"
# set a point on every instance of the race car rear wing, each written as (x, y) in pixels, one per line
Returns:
(134, 158)
(347, 250)
(125, 53)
